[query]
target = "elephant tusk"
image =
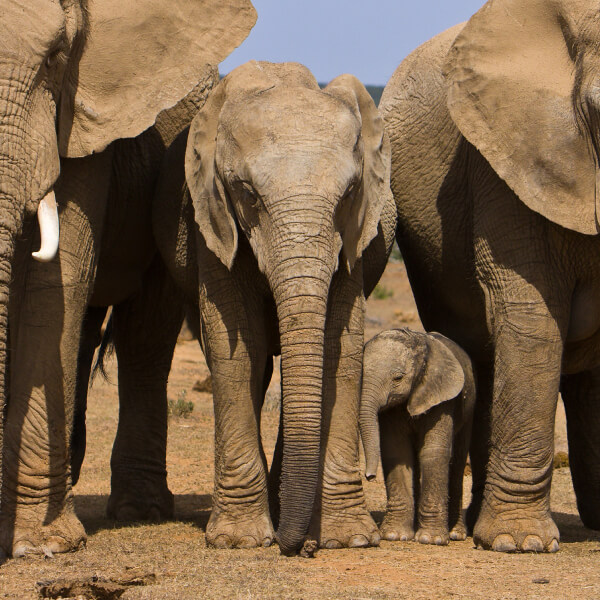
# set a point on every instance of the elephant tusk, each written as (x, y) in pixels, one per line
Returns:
(49, 228)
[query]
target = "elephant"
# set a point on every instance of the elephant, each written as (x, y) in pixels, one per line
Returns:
(82, 84)
(275, 217)
(494, 133)
(418, 389)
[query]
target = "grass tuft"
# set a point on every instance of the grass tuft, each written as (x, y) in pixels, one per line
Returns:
(181, 407)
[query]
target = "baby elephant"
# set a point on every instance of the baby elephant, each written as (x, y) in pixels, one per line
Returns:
(419, 388)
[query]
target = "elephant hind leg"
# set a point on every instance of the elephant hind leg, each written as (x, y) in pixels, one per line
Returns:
(145, 333)
(581, 396)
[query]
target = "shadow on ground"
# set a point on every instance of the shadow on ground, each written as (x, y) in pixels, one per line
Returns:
(189, 508)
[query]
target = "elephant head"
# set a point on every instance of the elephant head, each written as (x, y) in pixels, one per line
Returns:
(76, 75)
(523, 88)
(303, 174)
(400, 367)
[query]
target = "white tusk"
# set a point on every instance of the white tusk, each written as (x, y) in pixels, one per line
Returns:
(48, 220)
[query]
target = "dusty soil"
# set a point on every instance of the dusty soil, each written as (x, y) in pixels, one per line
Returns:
(171, 560)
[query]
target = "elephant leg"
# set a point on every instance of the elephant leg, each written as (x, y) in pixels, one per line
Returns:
(145, 329)
(275, 474)
(480, 435)
(341, 518)
(38, 513)
(397, 460)
(236, 354)
(435, 450)
(581, 397)
(460, 450)
(91, 336)
(515, 509)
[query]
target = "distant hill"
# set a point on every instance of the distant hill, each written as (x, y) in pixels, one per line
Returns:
(374, 90)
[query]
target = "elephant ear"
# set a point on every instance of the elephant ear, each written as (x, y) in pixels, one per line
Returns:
(440, 376)
(359, 223)
(513, 93)
(139, 58)
(212, 208)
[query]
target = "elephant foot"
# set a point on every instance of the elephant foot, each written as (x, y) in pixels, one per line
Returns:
(458, 532)
(140, 500)
(347, 528)
(397, 528)
(241, 530)
(515, 529)
(433, 536)
(27, 535)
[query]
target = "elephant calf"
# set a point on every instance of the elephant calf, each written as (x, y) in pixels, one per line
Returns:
(419, 388)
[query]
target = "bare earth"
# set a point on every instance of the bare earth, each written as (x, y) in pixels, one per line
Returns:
(171, 560)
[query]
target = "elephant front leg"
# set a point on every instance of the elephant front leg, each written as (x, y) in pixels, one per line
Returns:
(341, 518)
(515, 508)
(37, 500)
(434, 465)
(145, 328)
(397, 460)
(237, 359)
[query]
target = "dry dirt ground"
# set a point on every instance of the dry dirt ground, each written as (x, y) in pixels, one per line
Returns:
(171, 560)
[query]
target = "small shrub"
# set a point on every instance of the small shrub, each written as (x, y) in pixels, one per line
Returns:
(181, 407)
(381, 292)
(561, 459)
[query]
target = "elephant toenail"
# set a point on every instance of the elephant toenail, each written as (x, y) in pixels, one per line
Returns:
(553, 546)
(266, 542)
(439, 541)
(246, 542)
(504, 543)
(333, 545)
(22, 549)
(154, 514)
(391, 536)
(532, 543)
(221, 542)
(375, 539)
(358, 541)
(424, 539)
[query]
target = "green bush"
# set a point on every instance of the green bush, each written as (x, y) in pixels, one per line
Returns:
(381, 292)
(181, 407)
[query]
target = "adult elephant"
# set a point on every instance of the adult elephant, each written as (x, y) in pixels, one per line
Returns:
(495, 168)
(75, 76)
(286, 228)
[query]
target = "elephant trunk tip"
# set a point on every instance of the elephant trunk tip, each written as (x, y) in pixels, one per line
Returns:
(370, 475)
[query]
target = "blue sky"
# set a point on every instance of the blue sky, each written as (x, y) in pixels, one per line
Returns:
(367, 38)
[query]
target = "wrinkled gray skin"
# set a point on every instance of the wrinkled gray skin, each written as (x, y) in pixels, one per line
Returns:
(295, 182)
(417, 400)
(513, 277)
(70, 88)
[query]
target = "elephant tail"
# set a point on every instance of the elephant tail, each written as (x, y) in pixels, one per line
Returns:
(105, 351)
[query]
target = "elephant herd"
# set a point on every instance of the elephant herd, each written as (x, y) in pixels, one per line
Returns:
(265, 207)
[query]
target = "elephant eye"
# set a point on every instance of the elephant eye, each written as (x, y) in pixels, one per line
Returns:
(250, 194)
(52, 58)
(398, 377)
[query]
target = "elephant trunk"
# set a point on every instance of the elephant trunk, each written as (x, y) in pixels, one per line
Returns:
(369, 429)
(8, 233)
(301, 299)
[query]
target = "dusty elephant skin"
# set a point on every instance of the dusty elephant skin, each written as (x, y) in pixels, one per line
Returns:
(71, 86)
(417, 400)
(494, 133)
(289, 195)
